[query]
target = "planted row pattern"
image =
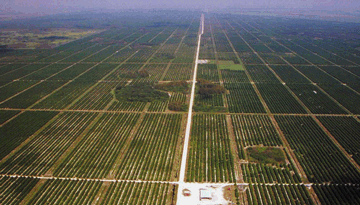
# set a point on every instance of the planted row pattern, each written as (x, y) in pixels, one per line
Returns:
(321, 160)
(152, 150)
(39, 154)
(139, 193)
(210, 158)
(107, 137)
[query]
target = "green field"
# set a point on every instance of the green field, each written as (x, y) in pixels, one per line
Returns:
(230, 65)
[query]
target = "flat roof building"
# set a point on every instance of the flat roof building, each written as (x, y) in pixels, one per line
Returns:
(205, 194)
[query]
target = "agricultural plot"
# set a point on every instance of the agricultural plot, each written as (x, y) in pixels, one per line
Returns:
(250, 58)
(68, 52)
(97, 73)
(316, 75)
(6, 68)
(6, 115)
(21, 72)
(279, 99)
(209, 156)
(254, 130)
(142, 55)
(325, 54)
(73, 72)
(20, 128)
(321, 160)
(41, 152)
(278, 194)
(178, 97)
(242, 98)
(179, 72)
(162, 36)
(208, 72)
(230, 65)
(14, 190)
(127, 38)
(126, 71)
(355, 86)
(157, 135)
(315, 100)
(140, 193)
(158, 106)
(354, 70)
(65, 96)
(230, 56)
(164, 57)
(340, 50)
(122, 55)
(271, 58)
(238, 43)
(345, 130)
(155, 72)
(107, 136)
(273, 45)
(341, 74)
(83, 54)
(261, 74)
(234, 76)
(335, 194)
(66, 192)
(98, 57)
(185, 53)
(222, 44)
(31, 96)
(259, 47)
(24, 55)
(127, 106)
(294, 59)
(214, 100)
(262, 173)
(47, 72)
(289, 74)
(348, 98)
(207, 49)
(315, 59)
(13, 88)
(97, 98)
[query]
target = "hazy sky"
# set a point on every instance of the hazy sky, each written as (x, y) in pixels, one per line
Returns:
(56, 6)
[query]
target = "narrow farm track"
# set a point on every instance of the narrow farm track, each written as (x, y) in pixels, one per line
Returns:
(154, 112)
(188, 124)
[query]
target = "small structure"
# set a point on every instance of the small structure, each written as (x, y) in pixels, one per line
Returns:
(186, 192)
(202, 61)
(205, 194)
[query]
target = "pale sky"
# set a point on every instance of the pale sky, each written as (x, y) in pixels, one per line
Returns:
(59, 6)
